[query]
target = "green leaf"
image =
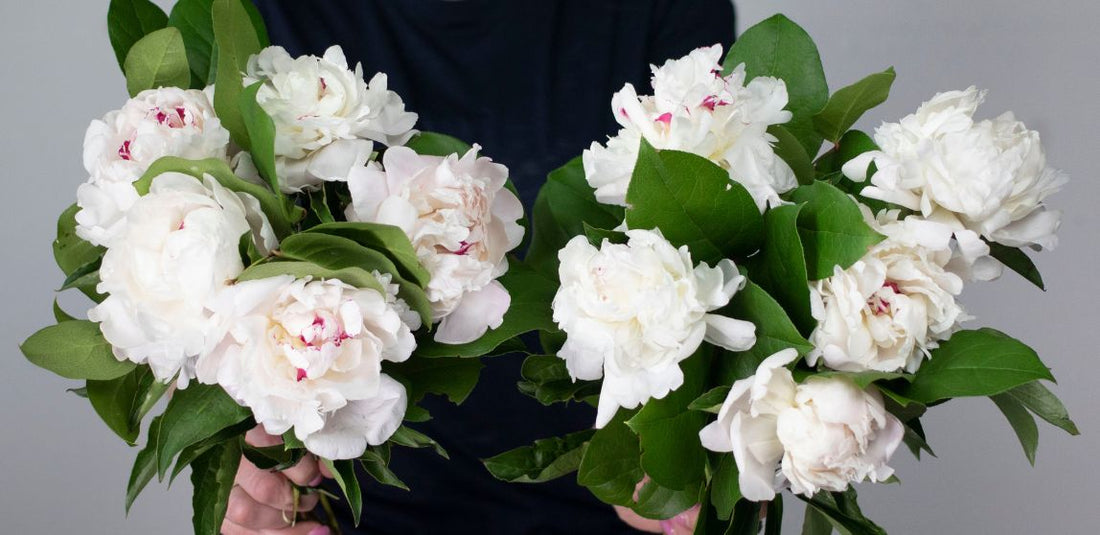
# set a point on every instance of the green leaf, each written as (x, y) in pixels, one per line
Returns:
(411, 438)
(596, 236)
(610, 467)
(194, 414)
(236, 39)
(145, 464)
(861, 379)
(130, 20)
(1041, 401)
(530, 310)
(1018, 261)
(780, 268)
(212, 478)
(75, 350)
(59, 314)
(915, 439)
(194, 451)
(778, 47)
(272, 457)
(841, 511)
(545, 460)
(662, 425)
(193, 19)
(774, 518)
(746, 518)
(693, 202)
(711, 401)
(275, 207)
(157, 60)
(976, 363)
(377, 465)
(791, 151)
(546, 378)
(851, 144)
(832, 229)
(774, 332)
(708, 521)
(300, 270)
(725, 491)
(123, 402)
(435, 144)
(318, 204)
(261, 134)
(849, 103)
(1022, 423)
(660, 503)
(387, 239)
(816, 523)
(454, 378)
(564, 205)
(73, 253)
(344, 474)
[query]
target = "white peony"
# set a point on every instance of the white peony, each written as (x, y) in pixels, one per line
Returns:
(325, 114)
(887, 311)
(121, 146)
(695, 109)
(989, 177)
(633, 311)
(820, 435)
(307, 355)
(178, 246)
(461, 221)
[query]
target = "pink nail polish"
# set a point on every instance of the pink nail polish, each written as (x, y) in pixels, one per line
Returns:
(320, 530)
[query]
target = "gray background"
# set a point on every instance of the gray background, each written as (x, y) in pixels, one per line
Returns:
(64, 472)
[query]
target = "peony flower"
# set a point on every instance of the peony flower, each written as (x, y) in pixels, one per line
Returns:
(178, 246)
(307, 355)
(461, 221)
(121, 146)
(633, 311)
(695, 109)
(325, 114)
(989, 177)
(888, 310)
(820, 435)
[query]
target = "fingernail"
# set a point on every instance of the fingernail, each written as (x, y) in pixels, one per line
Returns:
(316, 481)
(320, 530)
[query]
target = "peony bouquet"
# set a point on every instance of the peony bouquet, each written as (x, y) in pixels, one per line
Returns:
(268, 241)
(751, 314)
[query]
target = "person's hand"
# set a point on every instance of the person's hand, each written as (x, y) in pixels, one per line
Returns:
(681, 524)
(262, 501)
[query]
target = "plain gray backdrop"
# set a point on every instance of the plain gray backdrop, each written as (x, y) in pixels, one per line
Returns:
(63, 472)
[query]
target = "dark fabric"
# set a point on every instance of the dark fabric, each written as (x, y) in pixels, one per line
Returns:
(531, 81)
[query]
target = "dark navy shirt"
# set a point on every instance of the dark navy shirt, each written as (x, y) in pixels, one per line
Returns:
(531, 82)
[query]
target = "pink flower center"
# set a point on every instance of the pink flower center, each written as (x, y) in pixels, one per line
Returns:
(175, 118)
(302, 374)
(463, 248)
(665, 118)
(124, 151)
(713, 101)
(880, 305)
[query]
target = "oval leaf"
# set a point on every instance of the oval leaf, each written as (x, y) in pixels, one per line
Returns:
(212, 477)
(545, 460)
(832, 229)
(849, 103)
(157, 60)
(237, 39)
(130, 20)
(75, 350)
(194, 414)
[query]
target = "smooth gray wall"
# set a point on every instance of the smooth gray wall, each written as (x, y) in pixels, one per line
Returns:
(64, 472)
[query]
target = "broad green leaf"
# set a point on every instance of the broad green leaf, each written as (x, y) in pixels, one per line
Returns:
(83, 276)
(832, 229)
(693, 202)
(145, 464)
(545, 460)
(816, 523)
(75, 350)
(73, 253)
(530, 310)
(904, 408)
(377, 465)
(272, 457)
(774, 332)
(261, 134)
(708, 521)
(778, 47)
(610, 467)
(194, 451)
(1041, 401)
(344, 474)
(976, 363)
(318, 205)
(915, 439)
(387, 239)
(791, 151)
(157, 60)
(725, 491)
(1018, 261)
(596, 236)
(212, 479)
(435, 144)
(236, 39)
(851, 144)
(276, 208)
(564, 204)
(194, 414)
(861, 379)
(660, 503)
(454, 378)
(711, 401)
(547, 379)
(746, 518)
(774, 517)
(193, 19)
(1022, 423)
(411, 438)
(130, 20)
(842, 513)
(300, 270)
(59, 314)
(123, 402)
(662, 425)
(780, 268)
(849, 103)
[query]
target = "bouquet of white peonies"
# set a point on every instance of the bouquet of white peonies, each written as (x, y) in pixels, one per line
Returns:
(268, 241)
(750, 317)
